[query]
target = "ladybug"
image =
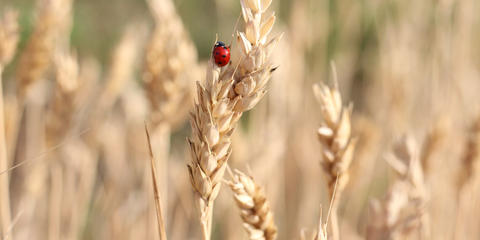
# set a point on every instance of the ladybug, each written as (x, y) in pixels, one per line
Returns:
(221, 54)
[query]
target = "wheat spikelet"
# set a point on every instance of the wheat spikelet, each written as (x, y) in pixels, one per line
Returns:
(470, 158)
(254, 208)
(403, 209)
(170, 64)
(36, 56)
(8, 36)
(121, 67)
(337, 143)
(63, 104)
(431, 144)
(8, 44)
(227, 93)
(321, 232)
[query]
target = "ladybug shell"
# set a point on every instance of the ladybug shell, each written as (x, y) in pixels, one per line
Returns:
(221, 54)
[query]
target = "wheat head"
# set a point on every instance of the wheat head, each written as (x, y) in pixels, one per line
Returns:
(169, 65)
(404, 208)
(63, 104)
(255, 210)
(37, 54)
(338, 145)
(226, 94)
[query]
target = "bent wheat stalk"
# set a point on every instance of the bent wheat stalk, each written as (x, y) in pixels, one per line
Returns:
(226, 94)
(255, 210)
(337, 144)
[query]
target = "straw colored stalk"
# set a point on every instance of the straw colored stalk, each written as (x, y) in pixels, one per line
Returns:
(255, 211)
(226, 94)
(158, 207)
(8, 44)
(37, 54)
(337, 144)
(404, 208)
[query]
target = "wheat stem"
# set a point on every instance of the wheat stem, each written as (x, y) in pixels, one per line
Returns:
(158, 206)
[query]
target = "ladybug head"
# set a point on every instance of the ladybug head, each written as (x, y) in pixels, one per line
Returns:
(220, 44)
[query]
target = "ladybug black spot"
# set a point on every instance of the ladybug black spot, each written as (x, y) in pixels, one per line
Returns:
(216, 53)
(219, 63)
(224, 56)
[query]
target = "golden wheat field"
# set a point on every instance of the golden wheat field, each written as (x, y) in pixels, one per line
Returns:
(333, 120)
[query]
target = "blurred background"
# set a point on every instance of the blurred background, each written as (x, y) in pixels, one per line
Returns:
(408, 67)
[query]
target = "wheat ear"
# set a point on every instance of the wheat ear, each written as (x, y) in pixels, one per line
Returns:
(255, 210)
(337, 144)
(8, 44)
(170, 64)
(403, 209)
(470, 159)
(63, 104)
(38, 52)
(226, 94)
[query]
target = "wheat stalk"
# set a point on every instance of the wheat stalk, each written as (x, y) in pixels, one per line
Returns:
(255, 210)
(158, 207)
(8, 44)
(226, 94)
(337, 144)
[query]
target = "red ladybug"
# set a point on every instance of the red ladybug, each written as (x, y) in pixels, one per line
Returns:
(221, 54)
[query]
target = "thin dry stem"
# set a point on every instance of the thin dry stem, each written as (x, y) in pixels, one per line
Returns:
(255, 210)
(158, 206)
